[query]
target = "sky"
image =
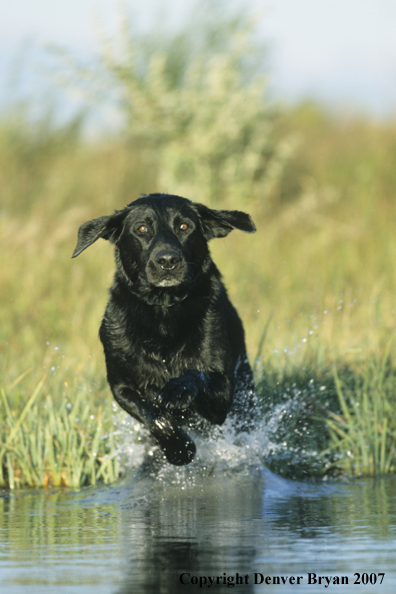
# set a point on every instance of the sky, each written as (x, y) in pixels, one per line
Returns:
(342, 52)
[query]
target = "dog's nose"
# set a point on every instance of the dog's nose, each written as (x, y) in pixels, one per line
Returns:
(168, 259)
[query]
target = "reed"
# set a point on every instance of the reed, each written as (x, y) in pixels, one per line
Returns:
(53, 443)
(363, 435)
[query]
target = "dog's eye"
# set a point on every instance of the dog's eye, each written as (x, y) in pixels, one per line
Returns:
(183, 227)
(142, 229)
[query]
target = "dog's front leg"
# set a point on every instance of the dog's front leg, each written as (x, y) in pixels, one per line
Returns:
(177, 446)
(209, 394)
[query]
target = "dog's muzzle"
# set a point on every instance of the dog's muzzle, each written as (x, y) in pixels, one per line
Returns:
(168, 259)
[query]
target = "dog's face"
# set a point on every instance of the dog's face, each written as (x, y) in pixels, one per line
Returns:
(161, 242)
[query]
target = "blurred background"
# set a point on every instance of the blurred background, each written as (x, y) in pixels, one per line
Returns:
(285, 109)
(342, 53)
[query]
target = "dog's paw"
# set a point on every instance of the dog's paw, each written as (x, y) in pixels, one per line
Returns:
(178, 393)
(177, 446)
(179, 449)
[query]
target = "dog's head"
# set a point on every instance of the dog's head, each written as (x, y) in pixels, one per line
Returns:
(161, 242)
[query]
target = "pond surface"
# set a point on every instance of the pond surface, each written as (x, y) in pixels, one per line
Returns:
(169, 530)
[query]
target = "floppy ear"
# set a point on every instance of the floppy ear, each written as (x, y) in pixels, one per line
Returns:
(219, 223)
(107, 227)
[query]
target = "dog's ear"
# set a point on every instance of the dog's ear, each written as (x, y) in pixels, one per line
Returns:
(219, 223)
(108, 227)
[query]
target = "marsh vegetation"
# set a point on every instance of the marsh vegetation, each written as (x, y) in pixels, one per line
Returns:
(315, 286)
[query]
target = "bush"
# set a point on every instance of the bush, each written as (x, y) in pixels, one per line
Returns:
(195, 106)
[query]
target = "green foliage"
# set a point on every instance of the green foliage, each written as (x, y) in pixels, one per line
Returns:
(296, 402)
(363, 434)
(320, 422)
(28, 150)
(50, 442)
(200, 118)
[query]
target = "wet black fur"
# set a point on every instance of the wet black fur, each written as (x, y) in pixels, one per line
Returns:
(174, 344)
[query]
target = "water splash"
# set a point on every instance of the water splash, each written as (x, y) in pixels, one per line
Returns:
(273, 440)
(223, 451)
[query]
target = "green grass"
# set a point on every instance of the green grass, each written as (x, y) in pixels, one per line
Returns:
(51, 442)
(319, 274)
(324, 419)
(364, 433)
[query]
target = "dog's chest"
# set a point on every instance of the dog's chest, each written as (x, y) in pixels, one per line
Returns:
(155, 370)
(169, 363)
(169, 341)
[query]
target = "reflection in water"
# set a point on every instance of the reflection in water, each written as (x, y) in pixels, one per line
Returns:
(141, 536)
(204, 530)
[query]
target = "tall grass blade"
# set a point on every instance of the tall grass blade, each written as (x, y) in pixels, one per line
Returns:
(22, 416)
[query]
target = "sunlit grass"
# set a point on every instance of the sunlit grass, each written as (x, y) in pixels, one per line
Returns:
(363, 435)
(50, 442)
(318, 275)
(325, 291)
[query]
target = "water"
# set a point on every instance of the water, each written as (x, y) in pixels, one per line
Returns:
(223, 517)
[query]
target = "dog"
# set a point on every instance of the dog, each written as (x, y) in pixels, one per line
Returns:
(174, 344)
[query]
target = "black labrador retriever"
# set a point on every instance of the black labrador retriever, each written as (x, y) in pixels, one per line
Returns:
(174, 344)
